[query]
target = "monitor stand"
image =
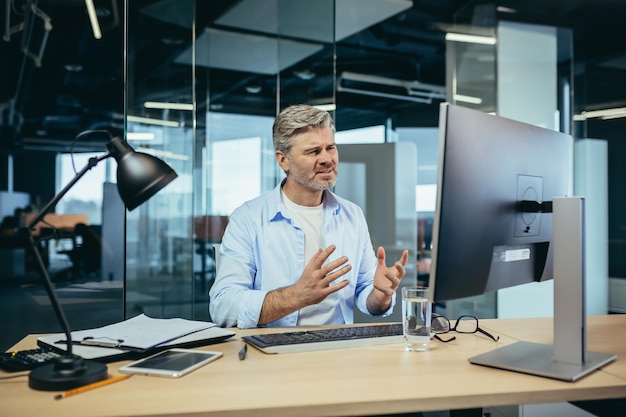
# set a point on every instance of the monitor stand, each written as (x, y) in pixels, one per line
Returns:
(568, 359)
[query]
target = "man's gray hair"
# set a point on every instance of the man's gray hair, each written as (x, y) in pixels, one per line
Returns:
(295, 119)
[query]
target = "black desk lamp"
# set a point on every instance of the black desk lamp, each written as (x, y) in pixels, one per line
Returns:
(139, 177)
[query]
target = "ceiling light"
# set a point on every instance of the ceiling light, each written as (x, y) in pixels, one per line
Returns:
(171, 41)
(167, 106)
(604, 114)
(376, 86)
(151, 121)
(140, 136)
(462, 37)
(503, 9)
(93, 18)
(468, 99)
(326, 107)
(614, 116)
(305, 75)
(73, 67)
(253, 89)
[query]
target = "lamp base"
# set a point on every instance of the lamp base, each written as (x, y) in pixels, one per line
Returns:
(67, 372)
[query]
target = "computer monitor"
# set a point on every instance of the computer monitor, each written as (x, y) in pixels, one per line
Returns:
(497, 184)
(482, 240)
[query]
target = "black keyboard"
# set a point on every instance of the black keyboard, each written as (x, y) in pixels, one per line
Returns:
(322, 339)
(25, 360)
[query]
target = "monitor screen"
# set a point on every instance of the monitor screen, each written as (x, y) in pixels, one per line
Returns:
(483, 240)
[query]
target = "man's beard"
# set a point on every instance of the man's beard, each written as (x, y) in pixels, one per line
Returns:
(313, 183)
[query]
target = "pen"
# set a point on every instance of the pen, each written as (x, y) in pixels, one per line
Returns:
(89, 387)
(242, 352)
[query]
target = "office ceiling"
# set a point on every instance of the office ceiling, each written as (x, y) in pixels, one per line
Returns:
(75, 83)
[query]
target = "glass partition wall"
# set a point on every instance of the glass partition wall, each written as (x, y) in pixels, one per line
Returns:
(214, 128)
(158, 233)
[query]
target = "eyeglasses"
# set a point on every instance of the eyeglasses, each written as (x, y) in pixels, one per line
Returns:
(464, 324)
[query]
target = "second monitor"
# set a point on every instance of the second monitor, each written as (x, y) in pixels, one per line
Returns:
(495, 228)
(496, 178)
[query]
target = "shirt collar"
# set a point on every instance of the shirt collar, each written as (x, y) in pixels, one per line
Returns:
(278, 211)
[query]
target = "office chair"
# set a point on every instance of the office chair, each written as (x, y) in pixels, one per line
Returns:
(216, 256)
(216, 259)
(86, 255)
(208, 230)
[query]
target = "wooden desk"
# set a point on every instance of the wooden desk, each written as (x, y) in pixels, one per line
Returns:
(360, 381)
(57, 221)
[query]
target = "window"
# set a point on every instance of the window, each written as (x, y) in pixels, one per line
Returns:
(86, 195)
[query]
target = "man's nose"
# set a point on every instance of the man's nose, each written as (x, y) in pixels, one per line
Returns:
(325, 157)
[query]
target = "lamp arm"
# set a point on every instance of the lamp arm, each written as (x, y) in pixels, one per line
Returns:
(48, 207)
(27, 232)
(51, 294)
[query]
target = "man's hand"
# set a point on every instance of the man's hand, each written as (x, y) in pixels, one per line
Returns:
(315, 283)
(313, 286)
(386, 281)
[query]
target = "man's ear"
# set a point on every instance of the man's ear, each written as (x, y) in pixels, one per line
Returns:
(282, 160)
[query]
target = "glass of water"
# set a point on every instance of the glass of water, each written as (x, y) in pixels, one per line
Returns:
(416, 316)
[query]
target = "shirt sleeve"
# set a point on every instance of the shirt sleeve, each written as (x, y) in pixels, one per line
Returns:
(365, 279)
(233, 302)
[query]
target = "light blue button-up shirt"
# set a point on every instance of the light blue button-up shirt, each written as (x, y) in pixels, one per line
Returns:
(263, 250)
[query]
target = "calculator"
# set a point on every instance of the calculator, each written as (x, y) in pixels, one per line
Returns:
(25, 360)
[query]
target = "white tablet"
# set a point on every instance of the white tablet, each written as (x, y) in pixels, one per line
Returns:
(172, 363)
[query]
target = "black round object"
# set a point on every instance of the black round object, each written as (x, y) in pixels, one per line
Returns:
(67, 372)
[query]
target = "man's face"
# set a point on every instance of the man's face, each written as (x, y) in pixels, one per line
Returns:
(312, 160)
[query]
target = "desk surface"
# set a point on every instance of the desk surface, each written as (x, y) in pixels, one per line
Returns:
(358, 381)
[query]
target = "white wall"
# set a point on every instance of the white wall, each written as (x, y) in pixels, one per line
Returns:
(527, 91)
(381, 178)
(591, 182)
(527, 73)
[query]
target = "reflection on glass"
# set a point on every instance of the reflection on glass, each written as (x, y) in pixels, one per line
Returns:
(471, 58)
(159, 245)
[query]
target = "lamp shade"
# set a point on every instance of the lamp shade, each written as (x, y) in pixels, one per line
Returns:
(139, 175)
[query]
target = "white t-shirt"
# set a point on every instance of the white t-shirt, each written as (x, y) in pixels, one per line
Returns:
(311, 221)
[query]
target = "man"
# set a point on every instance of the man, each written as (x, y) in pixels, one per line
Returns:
(301, 255)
